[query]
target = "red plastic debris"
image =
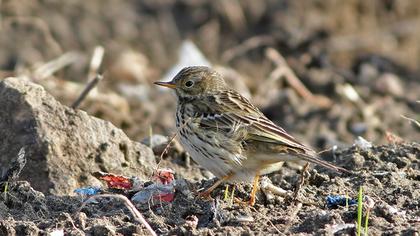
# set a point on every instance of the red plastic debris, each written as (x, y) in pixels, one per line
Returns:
(164, 176)
(115, 181)
(166, 197)
(163, 190)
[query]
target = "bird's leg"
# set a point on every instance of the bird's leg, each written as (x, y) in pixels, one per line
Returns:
(254, 189)
(207, 192)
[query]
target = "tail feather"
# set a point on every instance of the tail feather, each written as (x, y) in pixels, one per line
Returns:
(314, 159)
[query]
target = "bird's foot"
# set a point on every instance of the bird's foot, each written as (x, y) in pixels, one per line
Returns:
(252, 201)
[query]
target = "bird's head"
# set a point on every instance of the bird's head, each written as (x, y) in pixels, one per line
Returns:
(195, 81)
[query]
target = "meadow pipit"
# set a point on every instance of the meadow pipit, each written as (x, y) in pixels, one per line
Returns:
(224, 133)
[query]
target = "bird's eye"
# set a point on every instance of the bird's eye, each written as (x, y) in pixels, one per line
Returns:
(189, 83)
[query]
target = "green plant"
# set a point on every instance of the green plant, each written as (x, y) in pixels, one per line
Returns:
(359, 210)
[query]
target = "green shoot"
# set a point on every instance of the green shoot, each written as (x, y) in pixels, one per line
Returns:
(226, 197)
(347, 201)
(367, 221)
(6, 188)
(359, 210)
(232, 195)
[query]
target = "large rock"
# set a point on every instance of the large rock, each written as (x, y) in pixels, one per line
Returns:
(63, 145)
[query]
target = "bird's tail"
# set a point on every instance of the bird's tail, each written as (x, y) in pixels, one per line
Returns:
(314, 159)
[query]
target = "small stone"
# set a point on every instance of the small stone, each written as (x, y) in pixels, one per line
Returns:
(358, 160)
(389, 84)
(157, 142)
(367, 73)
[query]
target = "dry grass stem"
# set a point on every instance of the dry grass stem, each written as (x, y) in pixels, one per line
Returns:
(46, 70)
(96, 61)
(411, 120)
(86, 91)
(284, 70)
(137, 215)
(247, 45)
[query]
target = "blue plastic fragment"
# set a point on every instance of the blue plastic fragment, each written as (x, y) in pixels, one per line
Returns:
(339, 200)
(89, 191)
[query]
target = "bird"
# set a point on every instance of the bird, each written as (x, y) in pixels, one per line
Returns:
(227, 135)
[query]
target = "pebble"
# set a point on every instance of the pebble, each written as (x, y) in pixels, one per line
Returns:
(389, 84)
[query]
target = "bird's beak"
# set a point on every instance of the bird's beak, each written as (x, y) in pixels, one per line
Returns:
(169, 84)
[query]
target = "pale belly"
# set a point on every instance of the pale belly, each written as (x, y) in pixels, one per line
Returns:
(214, 161)
(208, 157)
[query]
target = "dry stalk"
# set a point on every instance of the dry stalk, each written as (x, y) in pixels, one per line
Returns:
(301, 180)
(247, 45)
(411, 120)
(293, 214)
(96, 61)
(284, 70)
(170, 141)
(137, 215)
(267, 219)
(86, 91)
(46, 70)
(72, 223)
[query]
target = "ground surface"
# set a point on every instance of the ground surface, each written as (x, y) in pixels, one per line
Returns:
(337, 49)
(390, 176)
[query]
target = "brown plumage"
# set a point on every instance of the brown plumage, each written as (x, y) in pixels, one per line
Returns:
(224, 133)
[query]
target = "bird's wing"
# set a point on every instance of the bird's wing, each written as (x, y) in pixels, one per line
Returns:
(239, 119)
(233, 111)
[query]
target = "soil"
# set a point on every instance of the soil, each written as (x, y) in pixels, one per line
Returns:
(337, 50)
(390, 176)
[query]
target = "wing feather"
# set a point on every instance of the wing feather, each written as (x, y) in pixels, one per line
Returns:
(238, 119)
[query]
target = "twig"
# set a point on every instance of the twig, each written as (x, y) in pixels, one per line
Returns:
(293, 215)
(86, 91)
(325, 150)
(171, 140)
(49, 68)
(137, 215)
(96, 60)
(412, 120)
(301, 180)
(284, 70)
(167, 147)
(72, 223)
(268, 220)
(247, 45)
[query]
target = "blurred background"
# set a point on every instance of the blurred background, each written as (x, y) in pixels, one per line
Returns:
(327, 71)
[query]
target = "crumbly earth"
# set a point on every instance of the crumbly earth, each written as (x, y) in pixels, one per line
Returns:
(361, 55)
(390, 176)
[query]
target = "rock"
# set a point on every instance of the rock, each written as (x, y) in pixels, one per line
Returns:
(389, 83)
(157, 142)
(63, 146)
